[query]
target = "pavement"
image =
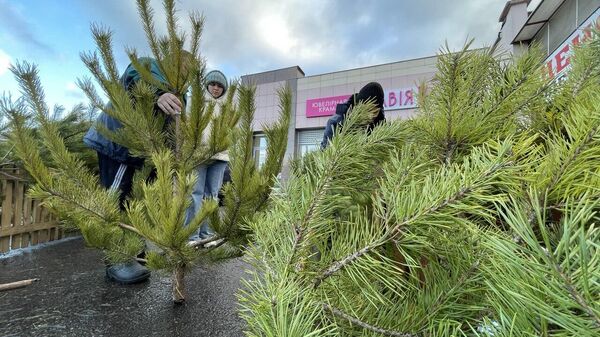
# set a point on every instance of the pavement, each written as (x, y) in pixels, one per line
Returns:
(72, 298)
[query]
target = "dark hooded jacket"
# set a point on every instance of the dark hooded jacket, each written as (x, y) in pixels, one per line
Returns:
(95, 140)
(373, 91)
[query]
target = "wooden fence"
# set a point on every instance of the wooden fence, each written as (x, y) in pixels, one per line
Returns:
(23, 221)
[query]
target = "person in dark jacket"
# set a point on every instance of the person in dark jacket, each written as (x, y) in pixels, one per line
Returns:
(372, 91)
(117, 166)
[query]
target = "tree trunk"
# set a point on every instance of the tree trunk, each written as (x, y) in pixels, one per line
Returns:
(178, 273)
(178, 286)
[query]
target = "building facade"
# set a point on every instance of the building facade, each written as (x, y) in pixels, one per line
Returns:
(314, 98)
(554, 25)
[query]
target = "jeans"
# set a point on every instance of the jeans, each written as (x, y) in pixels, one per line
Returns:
(210, 179)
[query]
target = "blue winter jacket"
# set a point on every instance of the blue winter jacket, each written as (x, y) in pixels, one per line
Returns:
(333, 122)
(95, 140)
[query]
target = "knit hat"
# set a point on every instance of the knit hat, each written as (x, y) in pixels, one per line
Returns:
(218, 77)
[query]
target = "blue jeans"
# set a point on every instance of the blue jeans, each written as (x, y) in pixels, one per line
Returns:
(210, 179)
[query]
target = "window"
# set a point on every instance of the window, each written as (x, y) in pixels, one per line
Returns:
(260, 149)
(585, 8)
(562, 24)
(309, 140)
(542, 38)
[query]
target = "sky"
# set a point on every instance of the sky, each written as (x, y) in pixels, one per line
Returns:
(241, 36)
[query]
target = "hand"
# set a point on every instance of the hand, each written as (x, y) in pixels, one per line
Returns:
(169, 104)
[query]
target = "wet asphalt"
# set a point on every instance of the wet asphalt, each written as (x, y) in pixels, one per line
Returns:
(73, 298)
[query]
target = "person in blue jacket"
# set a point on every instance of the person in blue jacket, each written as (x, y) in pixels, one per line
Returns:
(116, 165)
(371, 91)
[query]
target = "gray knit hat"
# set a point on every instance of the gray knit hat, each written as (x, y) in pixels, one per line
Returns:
(218, 77)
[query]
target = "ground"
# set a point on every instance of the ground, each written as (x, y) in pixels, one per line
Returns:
(73, 298)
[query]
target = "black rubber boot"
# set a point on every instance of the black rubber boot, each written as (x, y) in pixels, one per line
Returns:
(127, 273)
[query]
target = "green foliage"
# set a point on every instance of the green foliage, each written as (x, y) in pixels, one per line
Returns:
(476, 218)
(172, 148)
(476, 96)
(248, 192)
(71, 126)
(559, 262)
(76, 197)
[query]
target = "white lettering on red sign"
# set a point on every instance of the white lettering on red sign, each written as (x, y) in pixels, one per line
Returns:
(560, 60)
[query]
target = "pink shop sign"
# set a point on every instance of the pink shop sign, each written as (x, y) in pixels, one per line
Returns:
(403, 98)
(395, 99)
(325, 106)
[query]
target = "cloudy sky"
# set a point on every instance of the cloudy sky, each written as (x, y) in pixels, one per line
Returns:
(242, 36)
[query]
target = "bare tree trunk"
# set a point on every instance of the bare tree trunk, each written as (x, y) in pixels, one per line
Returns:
(178, 273)
(178, 285)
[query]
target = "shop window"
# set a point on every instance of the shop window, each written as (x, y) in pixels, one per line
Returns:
(260, 150)
(585, 8)
(541, 38)
(308, 141)
(562, 24)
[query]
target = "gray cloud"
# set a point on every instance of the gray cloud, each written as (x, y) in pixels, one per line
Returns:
(320, 36)
(19, 29)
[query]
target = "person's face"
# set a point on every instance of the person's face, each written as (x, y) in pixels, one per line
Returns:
(215, 89)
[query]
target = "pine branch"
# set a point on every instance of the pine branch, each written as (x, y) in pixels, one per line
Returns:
(197, 23)
(449, 115)
(565, 163)
(462, 193)
(277, 136)
(130, 228)
(200, 243)
(103, 39)
(214, 246)
(146, 14)
(89, 210)
(568, 285)
(365, 325)
(299, 229)
(446, 295)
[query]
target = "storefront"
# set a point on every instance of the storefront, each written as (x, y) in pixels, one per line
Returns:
(553, 25)
(315, 98)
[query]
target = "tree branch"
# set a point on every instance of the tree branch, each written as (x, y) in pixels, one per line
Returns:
(364, 325)
(462, 192)
(130, 228)
(122, 225)
(571, 289)
(337, 265)
(299, 228)
(566, 163)
(201, 243)
(17, 284)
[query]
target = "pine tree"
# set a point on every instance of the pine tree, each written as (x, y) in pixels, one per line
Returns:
(156, 209)
(71, 125)
(476, 218)
(250, 187)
